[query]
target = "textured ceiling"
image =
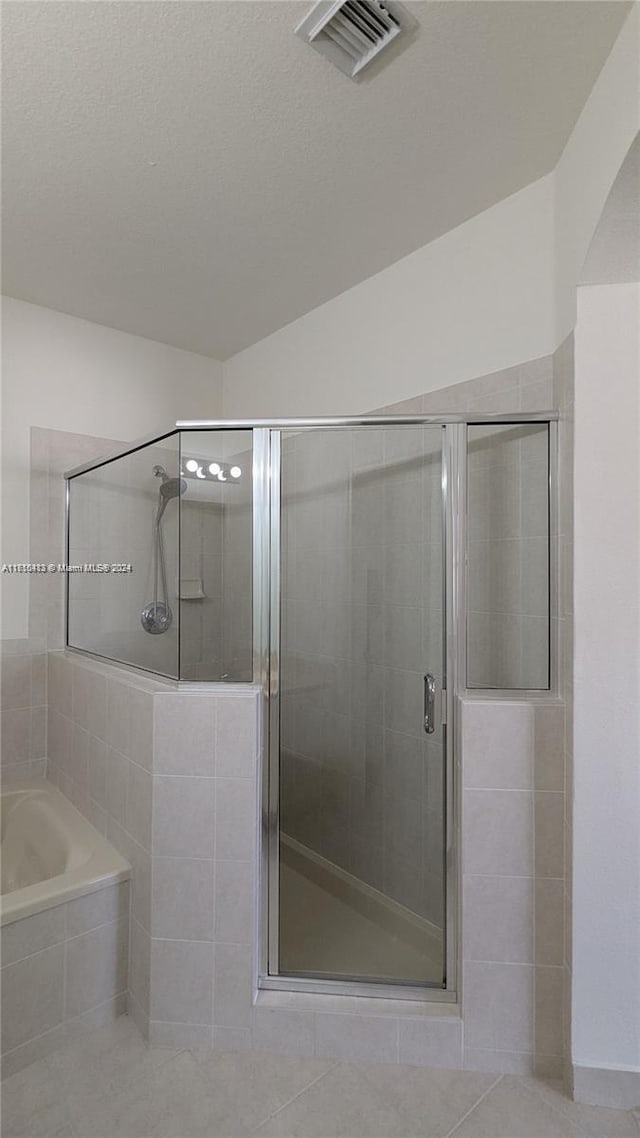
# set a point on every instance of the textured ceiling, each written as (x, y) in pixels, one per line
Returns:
(194, 173)
(614, 256)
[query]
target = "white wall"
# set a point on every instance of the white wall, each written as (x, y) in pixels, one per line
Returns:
(606, 900)
(475, 301)
(71, 375)
(590, 163)
(495, 292)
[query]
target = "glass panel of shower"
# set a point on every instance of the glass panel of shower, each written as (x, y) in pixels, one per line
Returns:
(166, 533)
(216, 555)
(508, 556)
(124, 514)
(358, 746)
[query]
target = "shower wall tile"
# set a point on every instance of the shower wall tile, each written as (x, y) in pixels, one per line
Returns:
(235, 819)
(498, 744)
(499, 919)
(234, 901)
(111, 787)
(499, 1006)
(53, 452)
(23, 709)
(283, 1032)
(355, 1038)
(182, 903)
(235, 739)
(185, 734)
(15, 739)
(498, 1062)
(549, 922)
(549, 1011)
(510, 918)
(233, 986)
(15, 682)
(549, 747)
(430, 1042)
(140, 973)
(183, 817)
(549, 837)
(181, 981)
(498, 833)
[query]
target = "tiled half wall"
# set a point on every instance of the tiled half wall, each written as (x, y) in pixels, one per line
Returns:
(171, 777)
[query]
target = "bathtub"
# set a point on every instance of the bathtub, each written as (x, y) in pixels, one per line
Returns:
(65, 923)
(50, 852)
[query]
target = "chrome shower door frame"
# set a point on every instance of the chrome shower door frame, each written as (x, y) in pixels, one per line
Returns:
(267, 598)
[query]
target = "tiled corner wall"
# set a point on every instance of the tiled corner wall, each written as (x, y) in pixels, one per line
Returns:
(201, 548)
(188, 821)
(513, 885)
(168, 776)
(52, 452)
(63, 970)
(205, 825)
(100, 738)
(23, 718)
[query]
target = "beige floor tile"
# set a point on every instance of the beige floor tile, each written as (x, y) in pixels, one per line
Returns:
(65, 1086)
(593, 1121)
(168, 1102)
(372, 1101)
(32, 1106)
(46, 1126)
(247, 1089)
(108, 1084)
(514, 1109)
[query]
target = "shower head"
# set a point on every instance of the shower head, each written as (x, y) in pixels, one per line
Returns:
(172, 487)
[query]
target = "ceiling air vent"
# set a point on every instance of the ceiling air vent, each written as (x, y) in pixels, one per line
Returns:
(351, 33)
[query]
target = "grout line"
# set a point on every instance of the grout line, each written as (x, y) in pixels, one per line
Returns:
(30, 955)
(94, 928)
(483, 1096)
(296, 1096)
(533, 1084)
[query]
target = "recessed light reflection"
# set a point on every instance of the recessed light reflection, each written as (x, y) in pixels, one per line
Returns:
(191, 465)
(235, 472)
(214, 468)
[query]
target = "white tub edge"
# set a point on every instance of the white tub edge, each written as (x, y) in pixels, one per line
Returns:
(104, 867)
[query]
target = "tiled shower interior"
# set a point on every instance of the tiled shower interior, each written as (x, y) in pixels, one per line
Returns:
(172, 776)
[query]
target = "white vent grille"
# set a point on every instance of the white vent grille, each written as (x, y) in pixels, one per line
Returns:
(351, 33)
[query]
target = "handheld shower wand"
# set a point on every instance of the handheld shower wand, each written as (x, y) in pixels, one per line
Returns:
(157, 616)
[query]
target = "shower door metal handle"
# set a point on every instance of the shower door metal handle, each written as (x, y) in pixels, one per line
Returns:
(429, 703)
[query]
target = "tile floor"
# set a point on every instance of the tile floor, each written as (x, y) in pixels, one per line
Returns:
(109, 1084)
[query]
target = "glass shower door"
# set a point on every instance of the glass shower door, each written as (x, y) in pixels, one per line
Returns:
(357, 886)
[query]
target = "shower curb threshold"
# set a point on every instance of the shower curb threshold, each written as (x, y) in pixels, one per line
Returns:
(355, 1005)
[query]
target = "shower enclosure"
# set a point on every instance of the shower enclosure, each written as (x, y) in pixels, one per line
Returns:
(364, 572)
